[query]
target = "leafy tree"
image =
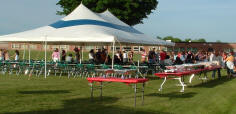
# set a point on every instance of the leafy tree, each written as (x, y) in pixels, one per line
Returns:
(158, 37)
(172, 39)
(129, 11)
(188, 40)
(218, 41)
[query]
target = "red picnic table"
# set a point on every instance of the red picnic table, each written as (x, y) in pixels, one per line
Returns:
(128, 81)
(179, 75)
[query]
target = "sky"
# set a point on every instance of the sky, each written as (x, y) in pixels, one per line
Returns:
(210, 19)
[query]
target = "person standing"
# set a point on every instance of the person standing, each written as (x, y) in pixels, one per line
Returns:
(77, 54)
(91, 56)
(230, 64)
(1, 55)
(131, 56)
(125, 56)
(6, 55)
(98, 56)
(219, 59)
(152, 56)
(56, 55)
(143, 56)
(63, 55)
(190, 57)
(162, 57)
(17, 55)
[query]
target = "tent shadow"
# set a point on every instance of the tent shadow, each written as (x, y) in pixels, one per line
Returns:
(174, 95)
(45, 92)
(86, 105)
(212, 83)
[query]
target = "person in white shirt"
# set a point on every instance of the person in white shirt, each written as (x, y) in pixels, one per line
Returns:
(216, 57)
(91, 56)
(125, 57)
(168, 61)
(69, 58)
(17, 55)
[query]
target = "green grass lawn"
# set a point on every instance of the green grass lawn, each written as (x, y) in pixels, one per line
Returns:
(72, 96)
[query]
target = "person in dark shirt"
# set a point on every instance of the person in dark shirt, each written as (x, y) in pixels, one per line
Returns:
(77, 54)
(63, 55)
(98, 56)
(152, 56)
(189, 58)
(178, 61)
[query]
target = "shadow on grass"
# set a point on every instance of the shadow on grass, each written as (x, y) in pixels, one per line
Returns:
(45, 92)
(174, 95)
(212, 83)
(85, 106)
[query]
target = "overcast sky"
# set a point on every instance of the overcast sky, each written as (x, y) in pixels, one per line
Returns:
(209, 19)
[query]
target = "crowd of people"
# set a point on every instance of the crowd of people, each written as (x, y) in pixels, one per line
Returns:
(5, 56)
(225, 60)
(163, 58)
(99, 57)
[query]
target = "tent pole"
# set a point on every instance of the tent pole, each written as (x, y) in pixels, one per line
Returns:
(24, 52)
(82, 49)
(113, 53)
(45, 62)
(29, 53)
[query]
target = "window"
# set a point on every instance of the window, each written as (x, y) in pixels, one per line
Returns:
(33, 47)
(24, 46)
(65, 47)
(15, 46)
(127, 48)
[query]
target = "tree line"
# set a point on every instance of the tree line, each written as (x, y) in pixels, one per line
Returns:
(174, 39)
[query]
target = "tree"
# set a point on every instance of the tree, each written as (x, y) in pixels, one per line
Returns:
(158, 37)
(218, 41)
(188, 40)
(172, 39)
(131, 12)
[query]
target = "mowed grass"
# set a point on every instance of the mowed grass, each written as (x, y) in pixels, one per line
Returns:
(18, 95)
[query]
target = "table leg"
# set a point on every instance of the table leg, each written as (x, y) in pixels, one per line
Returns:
(191, 78)
(91, 91)
(101, 90)
(143, 94)
(163, 84)
(135, 91)
(182, 84)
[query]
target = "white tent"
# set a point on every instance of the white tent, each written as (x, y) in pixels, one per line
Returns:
(85, 27)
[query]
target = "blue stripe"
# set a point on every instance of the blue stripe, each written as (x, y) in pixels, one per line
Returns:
(62, 24)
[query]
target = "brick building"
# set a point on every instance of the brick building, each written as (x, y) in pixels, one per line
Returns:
(182, 46)
(205, 46)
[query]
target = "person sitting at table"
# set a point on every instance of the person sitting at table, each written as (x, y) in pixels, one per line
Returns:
(168, 61)
(63, 55)
(178, 61)
(17, 55)
(56, 55)
(91, 56)
(69, 59)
